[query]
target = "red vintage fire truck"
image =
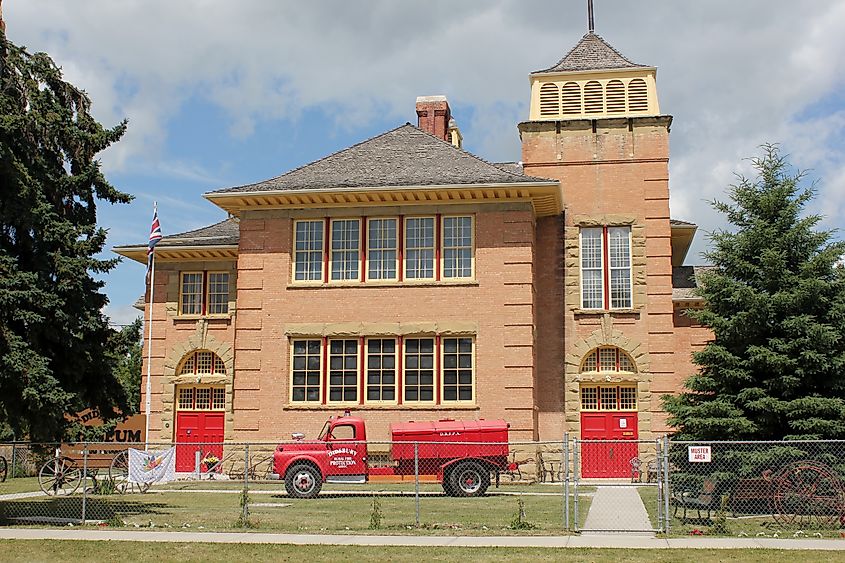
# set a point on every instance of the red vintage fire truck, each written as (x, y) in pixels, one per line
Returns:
(461, 454)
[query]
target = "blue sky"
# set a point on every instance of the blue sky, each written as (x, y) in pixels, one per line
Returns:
(226, 93)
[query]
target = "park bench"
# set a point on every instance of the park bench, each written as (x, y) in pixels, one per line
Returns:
(754, 494)
(706, 498)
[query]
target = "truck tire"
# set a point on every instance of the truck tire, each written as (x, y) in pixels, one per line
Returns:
(303, 481)
(470, 479)
(448, 488)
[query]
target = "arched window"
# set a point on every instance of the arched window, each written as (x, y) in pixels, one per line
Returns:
(615, 96)
(549, 100)
(202, 362)
(571, 99)
(593, 97)
(637, 95)
(608, 359)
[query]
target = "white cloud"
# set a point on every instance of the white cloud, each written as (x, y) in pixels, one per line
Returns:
(734, 74)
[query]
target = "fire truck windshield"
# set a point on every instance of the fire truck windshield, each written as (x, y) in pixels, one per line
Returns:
(324, 431)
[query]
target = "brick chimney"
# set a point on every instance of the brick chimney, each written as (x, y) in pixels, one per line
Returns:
(433, 116)
(2, 23)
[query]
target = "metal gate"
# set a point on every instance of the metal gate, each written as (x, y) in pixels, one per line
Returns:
(636, 503)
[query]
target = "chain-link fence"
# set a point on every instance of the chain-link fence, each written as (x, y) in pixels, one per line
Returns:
(758, 488)
(488, 487)
(294, 486)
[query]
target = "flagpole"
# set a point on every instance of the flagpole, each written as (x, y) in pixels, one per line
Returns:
(149, 348)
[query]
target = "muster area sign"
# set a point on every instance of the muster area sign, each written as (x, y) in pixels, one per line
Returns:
(699, 454)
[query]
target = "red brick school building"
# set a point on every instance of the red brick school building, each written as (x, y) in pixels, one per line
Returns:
(404, 278)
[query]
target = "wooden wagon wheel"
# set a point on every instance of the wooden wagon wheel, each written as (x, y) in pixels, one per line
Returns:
(808, 494)
(59, 476)
(119, 475)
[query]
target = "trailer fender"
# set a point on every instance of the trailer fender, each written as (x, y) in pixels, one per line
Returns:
(444, 469)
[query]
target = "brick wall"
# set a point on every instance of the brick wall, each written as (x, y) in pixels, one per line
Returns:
(500, 303)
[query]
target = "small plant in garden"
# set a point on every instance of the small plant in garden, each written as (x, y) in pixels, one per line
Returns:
(720, 522)
(519, 522)
(244, 521)
(105, 487)
(376, 515)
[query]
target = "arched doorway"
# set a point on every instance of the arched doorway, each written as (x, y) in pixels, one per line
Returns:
(200, 411)
(608, 413)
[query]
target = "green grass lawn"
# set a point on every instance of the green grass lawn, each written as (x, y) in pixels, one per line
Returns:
(19, 485)
(744, 525)
(331, 513)
(48, 551)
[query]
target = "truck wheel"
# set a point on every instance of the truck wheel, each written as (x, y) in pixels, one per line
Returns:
(448, 488)
(303, 481)
(470, 479)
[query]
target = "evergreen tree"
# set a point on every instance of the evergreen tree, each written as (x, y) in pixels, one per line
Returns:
(125, 347)
(53, 334)
(775, 301)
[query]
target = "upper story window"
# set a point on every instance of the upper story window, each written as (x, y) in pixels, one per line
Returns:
(308, 250)
(457, 247)
(384, 249)
(419, 248)
(606, 280)
(345, 253)
(204, 293)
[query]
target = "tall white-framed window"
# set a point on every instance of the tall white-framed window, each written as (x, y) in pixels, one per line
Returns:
(345, 249)
(419, 248)
(457, 247)
(308, 250)
(382, 248)
(619, 253)
(606, 280)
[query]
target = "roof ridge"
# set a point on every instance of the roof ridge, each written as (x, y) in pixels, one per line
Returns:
(321, 159)
(185, 233)
(580, 44)
(478, 158)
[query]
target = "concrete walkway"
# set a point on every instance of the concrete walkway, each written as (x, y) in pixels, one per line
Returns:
(612, 541)
(617, 509)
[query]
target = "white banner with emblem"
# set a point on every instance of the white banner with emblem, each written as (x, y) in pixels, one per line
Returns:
(152, 467)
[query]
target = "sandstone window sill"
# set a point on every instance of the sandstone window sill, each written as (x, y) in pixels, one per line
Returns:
(599, 312)
(350, 407)
(379, 284)
(194, 318)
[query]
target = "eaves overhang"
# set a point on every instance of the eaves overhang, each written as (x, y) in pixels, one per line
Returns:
(545, 197)
(187, 253)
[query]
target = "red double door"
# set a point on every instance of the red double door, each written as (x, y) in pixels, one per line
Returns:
(205, 428)
(611, 456)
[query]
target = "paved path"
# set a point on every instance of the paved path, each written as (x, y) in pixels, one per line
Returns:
(613, 541)
(617, 509)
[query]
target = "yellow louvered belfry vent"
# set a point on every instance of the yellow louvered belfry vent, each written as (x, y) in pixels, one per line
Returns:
(629, 93)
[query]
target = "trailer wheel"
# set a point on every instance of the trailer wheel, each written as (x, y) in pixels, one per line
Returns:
(303, 481)
(448, 487)
(470, 479)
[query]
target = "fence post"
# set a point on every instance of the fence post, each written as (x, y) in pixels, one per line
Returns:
(84, 482)
(417, 480)
(14, 452)
(576, 473)
(565, 480)
(666, 491)
(658, 462)
(197, 465)
(245, 496)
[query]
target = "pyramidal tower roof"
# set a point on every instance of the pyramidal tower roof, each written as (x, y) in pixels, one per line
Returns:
(591, 53)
